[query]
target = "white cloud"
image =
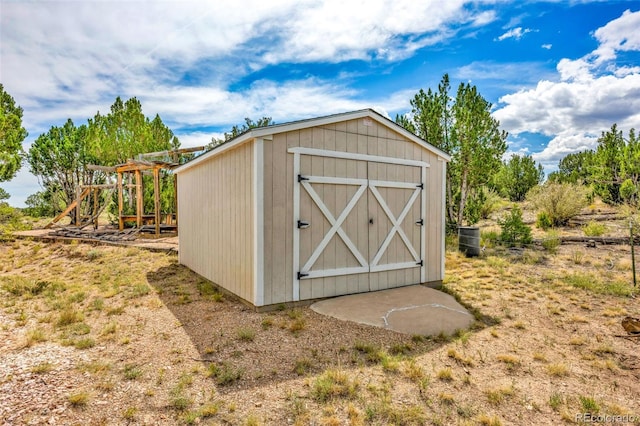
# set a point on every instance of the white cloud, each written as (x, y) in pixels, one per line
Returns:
(563, 144)
(516, 33)
(592, 94)
(619, 35)
(547, 46)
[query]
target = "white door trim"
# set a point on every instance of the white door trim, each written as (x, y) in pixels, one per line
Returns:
(336, 224)
(396, 222)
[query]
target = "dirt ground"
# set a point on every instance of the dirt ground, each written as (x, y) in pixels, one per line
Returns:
(119, 335)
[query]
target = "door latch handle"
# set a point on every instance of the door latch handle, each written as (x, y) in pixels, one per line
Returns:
(371, 221)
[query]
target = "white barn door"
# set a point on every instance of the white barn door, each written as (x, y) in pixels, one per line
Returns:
(359, 225)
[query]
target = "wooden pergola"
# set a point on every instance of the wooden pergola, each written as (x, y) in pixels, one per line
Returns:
(138, 167)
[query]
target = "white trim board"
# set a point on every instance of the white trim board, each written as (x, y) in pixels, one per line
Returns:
(258, 224)
(353, 156)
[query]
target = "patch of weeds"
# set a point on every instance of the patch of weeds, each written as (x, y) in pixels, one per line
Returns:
(21, 286)
(519, 325)
(577, 341)
(253, 420)
(418, 338)
(208, 410)
(77, 297)
(224, 374)
(297, 325)
(445, 374)
(577, 257)
(36, 335)
(539, 356)
(178, 400)
(589, 405)
(400, 349)
(551, 241)
(452, 353)
(97, 304)
(109, 328)
(115, 310)
(93, 254)
(446, 398)
(594, 285)
(209, 291)
(555, 401)
(384, 412)
(497, 396)
(465, 411)
(303, 366)
(42, 368)
(129, 413)
(372, 353)
(267, 323)
(604, 350)
(138, 290)
(485, 420)
(390, 363)
(94, 367)
(334, 384)
(79, 329)
(294, 314)
(594, 229)
(246, 334)
(511, 361)
(297, 408)
(131, 371)
(69, 316)
(442, 338)
(78, 399)
(413, 371)
(85, 343)
(557, 370)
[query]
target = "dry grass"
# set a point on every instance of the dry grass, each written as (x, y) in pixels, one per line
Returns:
(544, 331)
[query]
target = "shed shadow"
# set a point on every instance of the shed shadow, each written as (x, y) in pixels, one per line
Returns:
(242, 348)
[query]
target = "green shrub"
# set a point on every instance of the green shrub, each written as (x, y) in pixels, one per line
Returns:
(551, 241)
(628, 191)
(514, 230)
(543, 221)
(560, 201)
(594, 229)
(481, 204)
(11, 219)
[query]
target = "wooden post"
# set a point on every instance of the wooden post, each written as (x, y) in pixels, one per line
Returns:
(139, 199)
(120, 202)
(78, 199)
(156, 198)
(95, 208)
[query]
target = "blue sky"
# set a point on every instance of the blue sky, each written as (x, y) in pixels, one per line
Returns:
(558, 73)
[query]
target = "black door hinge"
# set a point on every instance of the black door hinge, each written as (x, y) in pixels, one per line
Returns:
(301, 275)
(301, 178)
(302, 225)
(421, 263)
(420, 222)
(421, 186)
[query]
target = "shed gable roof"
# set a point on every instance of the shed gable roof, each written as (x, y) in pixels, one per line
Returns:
(263, 132)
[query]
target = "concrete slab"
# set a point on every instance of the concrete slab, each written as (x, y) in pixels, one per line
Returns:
(412, 310)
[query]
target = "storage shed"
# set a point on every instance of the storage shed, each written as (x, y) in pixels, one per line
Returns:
(342, 204)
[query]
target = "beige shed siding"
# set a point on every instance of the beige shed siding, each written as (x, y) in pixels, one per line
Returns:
(215, 201)
(363, 136)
